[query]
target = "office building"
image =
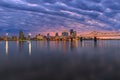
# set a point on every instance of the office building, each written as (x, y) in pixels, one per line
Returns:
(56, 34)
(65, 34)
(71, 32)
(40, 37)
(21, 35)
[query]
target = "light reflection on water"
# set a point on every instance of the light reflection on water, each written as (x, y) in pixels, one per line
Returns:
(30, 47)
(60, 60)
(6, 47)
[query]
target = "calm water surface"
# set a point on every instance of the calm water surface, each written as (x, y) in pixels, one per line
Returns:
(42, 60)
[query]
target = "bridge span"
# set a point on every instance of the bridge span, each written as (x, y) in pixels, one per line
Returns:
(101, 34)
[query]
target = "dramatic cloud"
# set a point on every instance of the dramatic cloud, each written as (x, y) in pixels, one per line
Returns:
(41, 16)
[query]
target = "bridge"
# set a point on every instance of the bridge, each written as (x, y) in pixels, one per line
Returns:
(101, 34)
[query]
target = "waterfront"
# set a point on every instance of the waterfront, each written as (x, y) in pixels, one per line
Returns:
(60, 60)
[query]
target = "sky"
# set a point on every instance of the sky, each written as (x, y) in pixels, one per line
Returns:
(43, 16)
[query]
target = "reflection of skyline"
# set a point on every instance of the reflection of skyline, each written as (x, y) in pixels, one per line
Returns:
(76, 61)
(57, 44)
(73, 45)
(21, 45)
(82, 44)
(95, 44)
(6, 47)
(48, 45)
(30, 47)
(64, 45)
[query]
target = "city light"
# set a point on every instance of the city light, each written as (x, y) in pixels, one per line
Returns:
(64, 36)
(6, 34)
(29, 34)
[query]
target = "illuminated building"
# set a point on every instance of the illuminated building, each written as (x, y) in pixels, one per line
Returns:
(48, 36)
(65, 33)
(71, 32)
(75, 34)
(21, 35)
(5, 38)
(14, 38)
(40, 37)
(57, 37)
(29, 36)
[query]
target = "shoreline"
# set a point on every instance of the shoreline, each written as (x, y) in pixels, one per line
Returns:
(59, 40)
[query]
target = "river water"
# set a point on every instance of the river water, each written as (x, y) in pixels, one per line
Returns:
(63, 60)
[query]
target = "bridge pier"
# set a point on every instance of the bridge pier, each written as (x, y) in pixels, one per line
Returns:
(81, 39)
(95, 39)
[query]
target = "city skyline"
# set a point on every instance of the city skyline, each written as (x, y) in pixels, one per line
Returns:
(43, 16)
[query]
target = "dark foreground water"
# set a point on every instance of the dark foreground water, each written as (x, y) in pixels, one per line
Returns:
(40, 60)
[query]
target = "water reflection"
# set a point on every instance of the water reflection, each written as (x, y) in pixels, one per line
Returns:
(95, 44)
(6, 47)
(30, 47)
(64, 45)
(17, 44)
(73, 45)
(48, 45)
(21, 46)
(57, 44)
(86, 63)
(24, 46)
(82, 44)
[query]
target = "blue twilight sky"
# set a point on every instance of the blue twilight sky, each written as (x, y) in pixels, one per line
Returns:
(41, 16)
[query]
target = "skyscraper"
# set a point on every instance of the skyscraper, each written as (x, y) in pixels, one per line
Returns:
(75, 34)
(21, 35)
(65, 34)
(56, 34)
(71, 32)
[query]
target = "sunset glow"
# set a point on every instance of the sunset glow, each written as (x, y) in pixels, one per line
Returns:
(41, 16)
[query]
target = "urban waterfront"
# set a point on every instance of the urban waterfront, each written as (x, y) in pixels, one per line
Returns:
(59, 39)
(60, 60)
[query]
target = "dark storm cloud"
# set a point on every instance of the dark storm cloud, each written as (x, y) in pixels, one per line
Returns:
(51, 15)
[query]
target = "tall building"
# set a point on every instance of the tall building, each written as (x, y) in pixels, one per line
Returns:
(65, 34)
(29, 36)
(75, 34)
(21, 35)
(39, 37)
(71, 32)
(56, 34)
(48, 35)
